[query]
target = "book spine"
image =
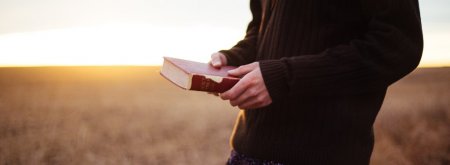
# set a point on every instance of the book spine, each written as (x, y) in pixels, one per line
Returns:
(202, 83)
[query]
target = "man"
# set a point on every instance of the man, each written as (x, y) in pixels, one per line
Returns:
(314, 76)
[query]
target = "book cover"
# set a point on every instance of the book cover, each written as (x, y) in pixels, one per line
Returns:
(197, 76)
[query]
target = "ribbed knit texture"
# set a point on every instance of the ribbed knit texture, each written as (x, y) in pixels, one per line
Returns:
(327, 65)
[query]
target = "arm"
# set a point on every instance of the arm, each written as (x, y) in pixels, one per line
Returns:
(389, 50)
(244, 51)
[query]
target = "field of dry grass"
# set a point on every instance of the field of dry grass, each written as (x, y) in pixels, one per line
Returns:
(130, 115)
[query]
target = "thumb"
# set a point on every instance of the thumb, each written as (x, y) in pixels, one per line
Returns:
(242, 70)
(216, 62)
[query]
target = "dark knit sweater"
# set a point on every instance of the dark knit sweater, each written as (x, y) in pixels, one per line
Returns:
(327, 65)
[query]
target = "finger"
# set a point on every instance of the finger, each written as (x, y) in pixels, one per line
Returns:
(244, 101)
(215, 61)
(222, 58)
(218, 60)
(249, 103)
(249, 93)
(242, 70)
(256, 102)
(236, 90)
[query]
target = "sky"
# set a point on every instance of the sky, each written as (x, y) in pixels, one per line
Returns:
(140, 32)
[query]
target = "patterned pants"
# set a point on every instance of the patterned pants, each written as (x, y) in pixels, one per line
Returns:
(240, 159)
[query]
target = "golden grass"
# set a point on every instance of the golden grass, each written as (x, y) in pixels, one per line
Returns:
(130, 115)
(413, 126)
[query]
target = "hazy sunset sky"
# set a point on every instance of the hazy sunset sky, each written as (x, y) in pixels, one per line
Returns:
(140, 32)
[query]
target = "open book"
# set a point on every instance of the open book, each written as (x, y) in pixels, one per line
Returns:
(197, 76)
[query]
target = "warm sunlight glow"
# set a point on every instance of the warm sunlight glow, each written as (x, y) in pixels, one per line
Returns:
(137, 44)
(437, 45)
(144, 44)
(140, 32)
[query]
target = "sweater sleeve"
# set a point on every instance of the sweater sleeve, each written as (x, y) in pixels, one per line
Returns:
(244, 51)
(387, 51)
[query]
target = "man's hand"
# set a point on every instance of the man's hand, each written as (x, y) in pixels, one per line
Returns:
(250, 92)
(218, 60)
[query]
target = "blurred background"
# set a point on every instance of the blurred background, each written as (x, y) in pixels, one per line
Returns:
(80, 84)
(139, 32)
